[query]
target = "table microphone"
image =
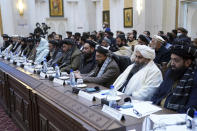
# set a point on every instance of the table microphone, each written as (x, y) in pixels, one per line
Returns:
(76, 90)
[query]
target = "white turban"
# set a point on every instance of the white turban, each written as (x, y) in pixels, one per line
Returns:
(159, 38)
(145, 51)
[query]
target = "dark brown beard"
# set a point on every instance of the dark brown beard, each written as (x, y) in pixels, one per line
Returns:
(176, 74)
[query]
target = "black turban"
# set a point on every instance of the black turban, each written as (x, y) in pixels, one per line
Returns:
(144, 39)
(102, 50)
(184, 51)
(67, 42)
(91, 43)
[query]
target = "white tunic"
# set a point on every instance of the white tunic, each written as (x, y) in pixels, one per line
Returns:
(142, 84)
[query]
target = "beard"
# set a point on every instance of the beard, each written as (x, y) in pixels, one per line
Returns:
(137, 67)
(87, 55)
(177, 73)
(100, 63)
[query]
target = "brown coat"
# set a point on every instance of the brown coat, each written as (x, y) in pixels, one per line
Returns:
(110, 74)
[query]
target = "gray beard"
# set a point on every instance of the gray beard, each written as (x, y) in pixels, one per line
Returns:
(137, 67)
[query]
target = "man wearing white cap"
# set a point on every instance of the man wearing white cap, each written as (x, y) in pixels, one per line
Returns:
(141, 79)
(162, 54)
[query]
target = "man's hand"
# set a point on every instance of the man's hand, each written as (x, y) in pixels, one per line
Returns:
(78, 75)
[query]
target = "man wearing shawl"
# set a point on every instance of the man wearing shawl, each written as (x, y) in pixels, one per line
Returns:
(106, 70)
(179, 88)
(141, 79)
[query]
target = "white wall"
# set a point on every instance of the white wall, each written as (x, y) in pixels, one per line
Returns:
(192, 20)
(86, 15)
(7, 16)
(188, 17)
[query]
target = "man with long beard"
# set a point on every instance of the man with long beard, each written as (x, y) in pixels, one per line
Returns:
(141, 79)
(179, 88)
(88, 58)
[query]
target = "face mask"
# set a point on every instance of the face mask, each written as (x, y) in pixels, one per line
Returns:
(178, 34)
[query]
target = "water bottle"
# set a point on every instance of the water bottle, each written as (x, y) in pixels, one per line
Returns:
(25, 59)
(7, 52)
(11, 55)
(45, 65)
(194, 122)
(112, 96)
(57, 70)
(72, 78)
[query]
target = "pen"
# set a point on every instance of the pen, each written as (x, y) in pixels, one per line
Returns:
(137, 113)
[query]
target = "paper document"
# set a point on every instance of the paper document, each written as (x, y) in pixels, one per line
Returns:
(161, 121)
(140, 109)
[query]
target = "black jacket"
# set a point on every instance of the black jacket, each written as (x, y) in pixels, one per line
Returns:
(182, 39)
(87, 65)
(162, 55)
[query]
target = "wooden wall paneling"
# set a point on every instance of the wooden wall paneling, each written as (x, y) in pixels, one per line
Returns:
(20, 103)
(6, 97)
(51, 118)
(35, 113)
(52, 127)
(26, 113)
(1, 84)
(42, 123)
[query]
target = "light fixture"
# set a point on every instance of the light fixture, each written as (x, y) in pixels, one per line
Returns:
(20, 6)
(139, 6)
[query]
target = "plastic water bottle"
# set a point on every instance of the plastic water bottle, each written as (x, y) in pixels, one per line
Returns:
(57, 70)
(6, 53)
(24, 58)
(112, 97)
(45, 65)
(11, 55)
(72, 78)
(194, 122)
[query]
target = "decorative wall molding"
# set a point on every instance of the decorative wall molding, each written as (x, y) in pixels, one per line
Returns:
(73, 1)
(56, 18)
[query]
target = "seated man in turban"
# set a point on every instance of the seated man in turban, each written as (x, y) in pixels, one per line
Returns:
(162, 54)
(70, 56)
(106, 70)
(141, 79)
(179, 88)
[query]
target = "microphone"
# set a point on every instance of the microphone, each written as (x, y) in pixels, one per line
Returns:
(127, 99)
(104, 101)
(75, 90)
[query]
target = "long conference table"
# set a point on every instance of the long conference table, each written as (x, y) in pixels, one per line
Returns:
(37, 104)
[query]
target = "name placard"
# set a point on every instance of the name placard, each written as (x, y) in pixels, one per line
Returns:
(18, 64)
(11, 61)
(112, 112)
(58, 81)
(29, 69)
(43, 75)
(86, 95)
